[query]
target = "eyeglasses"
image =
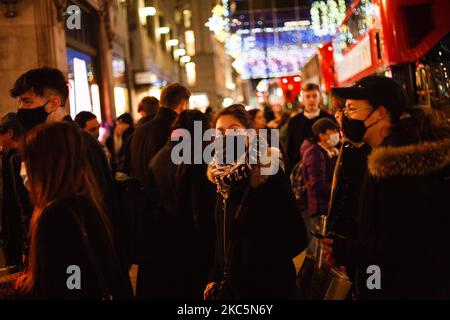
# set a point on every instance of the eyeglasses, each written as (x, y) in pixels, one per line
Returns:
(350, 111)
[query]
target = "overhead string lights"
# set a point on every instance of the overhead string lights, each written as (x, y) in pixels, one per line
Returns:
(327, 16)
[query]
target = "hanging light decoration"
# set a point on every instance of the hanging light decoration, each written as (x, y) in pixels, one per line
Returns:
(218, 22)
(327, 16)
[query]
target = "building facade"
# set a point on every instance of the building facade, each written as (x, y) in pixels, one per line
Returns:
(87, 40)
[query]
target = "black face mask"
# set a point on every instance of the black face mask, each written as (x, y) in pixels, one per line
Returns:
(30, 118)
(356, 129)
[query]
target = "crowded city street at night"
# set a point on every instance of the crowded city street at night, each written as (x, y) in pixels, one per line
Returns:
(224, 158)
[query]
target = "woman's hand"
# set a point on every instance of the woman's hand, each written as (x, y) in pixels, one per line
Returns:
(208, 290)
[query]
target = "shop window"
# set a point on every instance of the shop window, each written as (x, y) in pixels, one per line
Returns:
(84, 94)
(120, 84)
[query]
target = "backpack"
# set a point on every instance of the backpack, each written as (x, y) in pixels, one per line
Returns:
(298, 185)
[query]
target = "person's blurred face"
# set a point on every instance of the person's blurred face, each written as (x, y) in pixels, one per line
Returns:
(143, 114)
(276, 108)
(326, 137)
(338, 116)
(93, 128)
(311, 100)
(260, 121)
(6, 140)
(228, 122)
(357, 109)
(121, 127)
(374, 119)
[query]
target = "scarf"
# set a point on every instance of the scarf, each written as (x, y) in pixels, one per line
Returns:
(227, 175)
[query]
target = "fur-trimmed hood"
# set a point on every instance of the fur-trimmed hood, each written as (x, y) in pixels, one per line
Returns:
(257, 178)
(411, 160)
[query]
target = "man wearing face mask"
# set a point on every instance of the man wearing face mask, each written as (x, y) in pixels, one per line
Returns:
(300, 126)
(319, 156)
(42, 94)
(403, 216)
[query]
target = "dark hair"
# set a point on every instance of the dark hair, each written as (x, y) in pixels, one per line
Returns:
(39, 80)
(253, 113)
(238, 111)
(63, 171)
(187, 118)
(10, 122)
(174, 94)
(209, 110)
(149, 105)
(310, 87)
(83, 117)
(322, 125)
(126, 118)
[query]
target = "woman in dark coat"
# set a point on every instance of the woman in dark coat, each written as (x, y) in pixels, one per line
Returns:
(180, 249)
(255, 251)
(118, 144)
(69, 226)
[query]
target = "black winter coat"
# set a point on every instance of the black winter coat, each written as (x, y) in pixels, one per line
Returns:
(11, 231)
(268, 235)
(181, 231)
(299, 129)
(350, 170)
(59, 245)
(404, 219)
(119, 160)
(148, 139)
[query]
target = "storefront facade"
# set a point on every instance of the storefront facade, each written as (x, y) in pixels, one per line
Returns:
(405, 39)
(40, 35)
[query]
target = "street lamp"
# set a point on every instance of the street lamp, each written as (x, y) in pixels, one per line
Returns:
(185, 59)
(172, 42)
(179, 52)
(163, 30)
(148, 11)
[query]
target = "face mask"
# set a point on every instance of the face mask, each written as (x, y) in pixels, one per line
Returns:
(356, 129)
(333, 140)
(30, 118)
(233, 153)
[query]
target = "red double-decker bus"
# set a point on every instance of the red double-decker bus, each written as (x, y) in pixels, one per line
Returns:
(406, 39)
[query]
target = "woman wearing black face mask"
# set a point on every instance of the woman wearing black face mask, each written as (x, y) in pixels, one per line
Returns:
(259, 227)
